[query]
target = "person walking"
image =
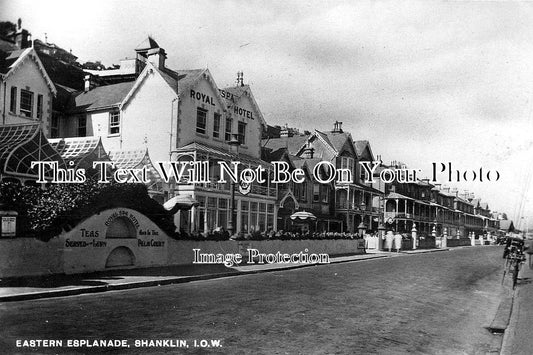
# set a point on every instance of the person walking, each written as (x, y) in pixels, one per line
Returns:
(398, 242)
(389, 238)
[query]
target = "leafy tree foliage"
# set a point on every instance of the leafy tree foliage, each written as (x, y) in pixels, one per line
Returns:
(46, 212)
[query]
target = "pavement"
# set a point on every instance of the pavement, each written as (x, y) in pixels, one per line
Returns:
(28, 288)
(517, 337)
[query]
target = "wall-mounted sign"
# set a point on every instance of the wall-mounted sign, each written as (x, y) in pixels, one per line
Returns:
(244, 188)
(9, 226)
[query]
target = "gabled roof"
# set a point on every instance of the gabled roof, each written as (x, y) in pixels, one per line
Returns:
(11, 61)
(218, 152)
(179, 81)
(360, 147)
(507, 225)
(101, 97)
(338, 140)
(292, 144)
(484, 205)
(475, 202)
(148, 43)
(82, 151)
(20, 145)
(63, 73)
(324, 137)
(244, 91)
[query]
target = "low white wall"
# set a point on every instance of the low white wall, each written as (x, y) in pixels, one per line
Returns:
(86, 248)
(30, 257)
(181, 251)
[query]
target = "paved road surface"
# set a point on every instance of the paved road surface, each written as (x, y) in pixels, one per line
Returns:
(437, 303)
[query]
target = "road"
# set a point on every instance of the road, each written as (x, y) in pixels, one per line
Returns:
(435, 303)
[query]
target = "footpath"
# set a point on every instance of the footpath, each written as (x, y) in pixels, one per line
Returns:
(28, 288)
(518, 336)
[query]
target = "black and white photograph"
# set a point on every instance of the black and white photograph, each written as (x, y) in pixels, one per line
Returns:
(266, 177)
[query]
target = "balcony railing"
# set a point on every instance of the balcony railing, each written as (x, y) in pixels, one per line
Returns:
(344, 205)
(398, 215)
(255, 189)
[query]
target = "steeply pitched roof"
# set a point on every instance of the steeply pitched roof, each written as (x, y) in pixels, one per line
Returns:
(7, 46)
(218, 152)
(180, 81)
(360, 147)
(148, 43)
(293, 144)
(7, 58)
(338, 140)
(63, 73)
(101, 97)
(236, 91)
(9, 61)
(506, 225)
(324, 137)
(475, 202)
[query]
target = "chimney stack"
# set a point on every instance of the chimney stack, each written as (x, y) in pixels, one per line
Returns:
(240, 78)
(157, 57)
(284, 132)
(337, 127)
(89, 82)
(309, 152)
(22, 37)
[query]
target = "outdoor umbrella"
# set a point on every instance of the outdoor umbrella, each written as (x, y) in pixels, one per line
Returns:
(303, 216)
(180, 202)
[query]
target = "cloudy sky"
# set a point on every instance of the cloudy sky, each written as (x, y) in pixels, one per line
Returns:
(423, 81)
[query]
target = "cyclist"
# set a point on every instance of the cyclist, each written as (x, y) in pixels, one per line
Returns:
(514, 242)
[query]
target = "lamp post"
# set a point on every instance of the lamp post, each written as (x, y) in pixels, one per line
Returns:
(234, 144)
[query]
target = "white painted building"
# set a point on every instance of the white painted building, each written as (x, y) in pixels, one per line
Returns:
(181, 114)
(26, 91)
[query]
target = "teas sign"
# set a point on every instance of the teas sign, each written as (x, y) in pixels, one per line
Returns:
(9, 226)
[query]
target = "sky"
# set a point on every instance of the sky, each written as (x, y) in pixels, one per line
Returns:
(424, 81)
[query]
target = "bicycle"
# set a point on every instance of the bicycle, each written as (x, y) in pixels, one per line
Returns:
(514, 258)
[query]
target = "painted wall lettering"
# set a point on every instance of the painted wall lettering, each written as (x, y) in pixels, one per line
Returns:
(150, 243)
(242, 112)
(202, 97)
